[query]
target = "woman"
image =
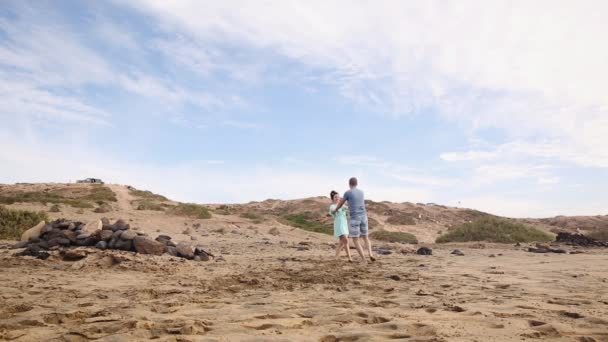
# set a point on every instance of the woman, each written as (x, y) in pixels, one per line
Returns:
(340, 225)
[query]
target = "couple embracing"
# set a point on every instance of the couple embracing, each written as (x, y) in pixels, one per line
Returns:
(358, 227)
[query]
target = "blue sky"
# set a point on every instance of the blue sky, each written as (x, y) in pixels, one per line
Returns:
(500, 106)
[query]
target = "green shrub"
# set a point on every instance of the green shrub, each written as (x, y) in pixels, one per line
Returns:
(301, 221)
(100, 193)
(190, 210)
(96, 194)
(384, 235)
(148, 195)
(14, 222)
(493, 229)
(148, 205)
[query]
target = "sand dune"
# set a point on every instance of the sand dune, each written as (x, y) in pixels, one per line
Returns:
(285, 286)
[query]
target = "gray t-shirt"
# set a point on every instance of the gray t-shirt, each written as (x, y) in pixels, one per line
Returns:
(356, 202)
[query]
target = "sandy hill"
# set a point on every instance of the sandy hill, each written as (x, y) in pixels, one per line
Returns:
(272, 280)
(152, 212)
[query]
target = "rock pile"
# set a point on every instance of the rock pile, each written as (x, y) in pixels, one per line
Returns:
(579, 240)
(102, 235)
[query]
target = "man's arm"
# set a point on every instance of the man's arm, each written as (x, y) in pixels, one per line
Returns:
(340, 204)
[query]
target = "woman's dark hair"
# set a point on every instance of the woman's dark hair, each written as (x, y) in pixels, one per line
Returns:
(332, 194)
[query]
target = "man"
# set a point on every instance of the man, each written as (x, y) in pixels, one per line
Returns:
(358, 217)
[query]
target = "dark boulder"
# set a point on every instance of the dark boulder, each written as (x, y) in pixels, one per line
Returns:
(121, 225)
(424, 251)
(123, 245)
(105, 235)
(457, 252)
(128, 235)
(101, 245)
(171, 250)
(34, 251)
(185, 250)
(21, 244)
(145, 245)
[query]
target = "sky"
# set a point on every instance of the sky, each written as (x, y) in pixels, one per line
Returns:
(500, 106)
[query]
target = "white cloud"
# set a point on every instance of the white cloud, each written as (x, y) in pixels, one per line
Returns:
(467, 156)
(242, 124)
(530, 68)
(548, 180)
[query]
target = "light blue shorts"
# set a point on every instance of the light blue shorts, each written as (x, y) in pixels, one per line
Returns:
(358, 226)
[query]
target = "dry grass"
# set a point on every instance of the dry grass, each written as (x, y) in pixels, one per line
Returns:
(14, 222)
(384, 235)
(493, 229)
(190, 210)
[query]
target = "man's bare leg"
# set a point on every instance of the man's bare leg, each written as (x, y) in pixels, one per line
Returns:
(358, 247)
(368, 246)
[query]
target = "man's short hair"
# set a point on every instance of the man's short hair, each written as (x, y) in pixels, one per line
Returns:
(352, 181)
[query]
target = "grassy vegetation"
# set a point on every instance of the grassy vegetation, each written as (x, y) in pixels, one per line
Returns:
(224, 210)
(148, 205)
(96, 194)
(190, 210)
(55, 208)
(14, 222)
(148, 195)
(301, 221)
(600, 235)
(402, 219)
(384, 235)
(255, 218)
(493, 229)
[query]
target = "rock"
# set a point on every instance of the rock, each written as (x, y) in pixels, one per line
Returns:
(82, 236)
(202, 254)
(424, 251)
(171, 250)
(70, 235)
(47, 229)
(53, 234)
(193, 238)
(112, 243)
(394, 277)
(33, 232)
(20, 244)
(92, 227)
(63, 242)
(105, 221)
(185, 250)
(457, 252)
(105, 235)
(101, 245)
(71, 226)
(383, 252)
(197, 258)
(34, 251)
(145, 245)
(117, 234)
(73, 254)
(163, 237)
(123, 245)
(579, 240)
(43, 244)
(128, 235)
(121, 225)
(61, 224)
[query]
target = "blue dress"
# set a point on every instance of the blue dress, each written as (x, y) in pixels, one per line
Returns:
(340, 221)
